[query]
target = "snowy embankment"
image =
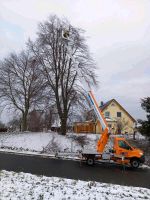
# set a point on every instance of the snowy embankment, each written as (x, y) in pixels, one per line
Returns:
(26, 186)
(47, 142)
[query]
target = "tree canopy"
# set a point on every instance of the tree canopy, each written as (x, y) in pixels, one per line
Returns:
(21, 83)
(66, 64)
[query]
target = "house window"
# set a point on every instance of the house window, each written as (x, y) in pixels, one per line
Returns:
(118, 114)
(107, 114)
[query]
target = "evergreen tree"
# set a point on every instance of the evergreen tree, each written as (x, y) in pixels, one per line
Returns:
(145, 124)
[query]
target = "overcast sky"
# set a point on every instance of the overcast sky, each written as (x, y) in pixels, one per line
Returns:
(118, 35)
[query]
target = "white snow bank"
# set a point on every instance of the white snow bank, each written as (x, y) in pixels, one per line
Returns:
(26, 187)
(26, 140)
(32, 141)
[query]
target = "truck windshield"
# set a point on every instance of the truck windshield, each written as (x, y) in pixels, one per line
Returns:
(124, 145)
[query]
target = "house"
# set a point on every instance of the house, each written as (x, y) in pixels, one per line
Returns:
(118, 118)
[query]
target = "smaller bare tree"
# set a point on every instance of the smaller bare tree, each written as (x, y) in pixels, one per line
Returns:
(122, 125)
(21, 84)
(14, 124)
(50, 116)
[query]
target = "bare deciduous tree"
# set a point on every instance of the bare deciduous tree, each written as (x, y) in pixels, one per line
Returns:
(14, 124)
(50, 116)
(122, 125)
(65, 74)
(21, 84)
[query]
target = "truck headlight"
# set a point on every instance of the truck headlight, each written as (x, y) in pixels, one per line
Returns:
(141, 153)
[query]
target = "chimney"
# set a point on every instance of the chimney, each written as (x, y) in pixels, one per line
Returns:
(102, 103)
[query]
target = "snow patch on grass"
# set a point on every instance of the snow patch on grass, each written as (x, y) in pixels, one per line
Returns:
(45, 142)
(145, 167)
(25, 186)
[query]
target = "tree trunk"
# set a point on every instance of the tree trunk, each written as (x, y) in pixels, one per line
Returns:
(24, 121)
(63, 126)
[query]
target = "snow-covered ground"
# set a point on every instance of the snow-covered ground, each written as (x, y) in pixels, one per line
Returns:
(25, 186)
(25, 140)
(47, 142)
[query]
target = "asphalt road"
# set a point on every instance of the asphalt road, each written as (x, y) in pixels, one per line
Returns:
(106, 173)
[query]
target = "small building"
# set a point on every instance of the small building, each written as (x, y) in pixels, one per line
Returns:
(36, 120)
(84, 127)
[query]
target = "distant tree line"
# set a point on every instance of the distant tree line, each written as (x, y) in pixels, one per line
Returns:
(45, 77)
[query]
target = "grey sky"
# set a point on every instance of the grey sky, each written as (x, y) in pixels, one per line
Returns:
(117, 31)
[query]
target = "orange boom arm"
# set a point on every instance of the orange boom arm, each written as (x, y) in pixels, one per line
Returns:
(105, 135)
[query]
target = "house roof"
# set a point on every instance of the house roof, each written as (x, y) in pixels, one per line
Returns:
(105, 105)
(102, 107)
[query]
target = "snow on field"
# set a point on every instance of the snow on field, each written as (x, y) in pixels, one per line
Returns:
(49, 142)
(26, 140)
(25, 186)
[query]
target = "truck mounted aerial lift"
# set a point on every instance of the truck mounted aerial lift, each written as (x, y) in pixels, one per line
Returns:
(121, 153)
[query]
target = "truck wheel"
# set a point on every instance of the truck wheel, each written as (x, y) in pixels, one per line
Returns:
(135, 163)
(90, 161)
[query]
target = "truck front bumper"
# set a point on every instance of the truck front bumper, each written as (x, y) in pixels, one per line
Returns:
(142, 159)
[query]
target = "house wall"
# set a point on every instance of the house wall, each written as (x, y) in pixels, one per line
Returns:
(113, 128)
(125, 119)
(98, 127)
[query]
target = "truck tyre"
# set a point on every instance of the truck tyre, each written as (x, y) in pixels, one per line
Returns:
(90, 161)
(134, 163)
